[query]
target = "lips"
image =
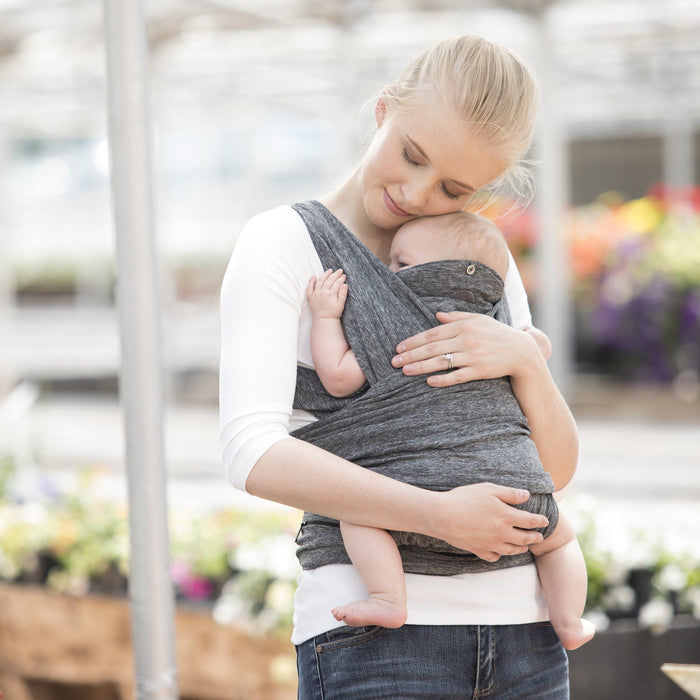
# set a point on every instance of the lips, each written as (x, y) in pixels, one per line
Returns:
(393, 207)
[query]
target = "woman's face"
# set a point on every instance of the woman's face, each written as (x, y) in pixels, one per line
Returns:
(423, 161)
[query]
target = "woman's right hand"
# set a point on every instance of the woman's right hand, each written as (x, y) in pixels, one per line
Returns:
(480, 518)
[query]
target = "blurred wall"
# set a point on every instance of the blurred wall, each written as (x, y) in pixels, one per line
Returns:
(628, 165)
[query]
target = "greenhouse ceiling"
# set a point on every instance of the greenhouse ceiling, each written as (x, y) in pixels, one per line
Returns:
(609, 65)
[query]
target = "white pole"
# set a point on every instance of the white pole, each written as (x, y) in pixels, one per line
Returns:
(141, 381)
(554, 303)
(7, 292)
(678, 146)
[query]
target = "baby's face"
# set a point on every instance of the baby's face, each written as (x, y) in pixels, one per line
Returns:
(414, 243)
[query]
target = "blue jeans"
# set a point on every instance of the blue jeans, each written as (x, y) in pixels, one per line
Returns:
(503, 662)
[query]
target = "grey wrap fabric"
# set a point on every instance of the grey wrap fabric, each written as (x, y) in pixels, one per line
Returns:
(400, 426)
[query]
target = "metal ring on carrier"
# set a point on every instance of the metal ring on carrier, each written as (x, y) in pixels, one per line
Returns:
(448, 357)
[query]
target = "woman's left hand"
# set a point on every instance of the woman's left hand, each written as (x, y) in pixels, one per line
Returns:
(476, 346)
(482, 348)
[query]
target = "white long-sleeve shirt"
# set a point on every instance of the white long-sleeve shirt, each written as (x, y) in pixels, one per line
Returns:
(266, 324)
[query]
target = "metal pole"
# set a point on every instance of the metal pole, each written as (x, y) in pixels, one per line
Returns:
(678, 147)
(7, 292)
(554, 303)
(141, 381)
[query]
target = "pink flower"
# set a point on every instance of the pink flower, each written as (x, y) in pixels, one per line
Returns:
(189, 584)
(197, 588)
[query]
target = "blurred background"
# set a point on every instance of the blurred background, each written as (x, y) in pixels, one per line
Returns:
(256, 105)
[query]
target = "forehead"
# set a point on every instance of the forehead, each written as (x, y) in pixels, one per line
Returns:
(416, 234)
(416, 228)
(449, 142)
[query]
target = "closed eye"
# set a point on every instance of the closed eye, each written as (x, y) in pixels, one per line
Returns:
(408, 158)
(446, 192)
(452, 195)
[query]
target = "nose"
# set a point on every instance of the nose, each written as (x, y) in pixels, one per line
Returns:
(415, 194)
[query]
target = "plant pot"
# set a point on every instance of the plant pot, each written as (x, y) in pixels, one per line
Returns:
(52, 640)
(624, 662)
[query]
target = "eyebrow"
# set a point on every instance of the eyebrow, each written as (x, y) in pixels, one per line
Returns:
(469, 188)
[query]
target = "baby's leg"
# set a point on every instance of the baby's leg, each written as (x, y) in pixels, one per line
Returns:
(562, 571)
(376, 558)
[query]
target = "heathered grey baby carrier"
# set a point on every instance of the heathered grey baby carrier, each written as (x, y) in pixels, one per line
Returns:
(435, 438)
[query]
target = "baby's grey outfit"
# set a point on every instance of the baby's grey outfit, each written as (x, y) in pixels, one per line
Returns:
(435, 438)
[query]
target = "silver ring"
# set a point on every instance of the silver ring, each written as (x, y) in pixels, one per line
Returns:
(448, 357)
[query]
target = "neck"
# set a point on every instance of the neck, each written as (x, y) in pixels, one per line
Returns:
(346, 204)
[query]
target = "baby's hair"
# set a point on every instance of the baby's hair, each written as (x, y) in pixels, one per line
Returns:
(465, 235)
(490, 86)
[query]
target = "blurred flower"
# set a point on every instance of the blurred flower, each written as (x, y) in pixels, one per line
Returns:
(189, 584)
(635, 280)
(691, 598)
(619, 598)
(242, 562)
(599, 619)
(639, 567)
(641, 215)
(280, 597)
(671, 578)
(656, 615)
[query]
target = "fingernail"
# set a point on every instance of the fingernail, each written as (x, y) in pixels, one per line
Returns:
(397, 361)
(400, 348)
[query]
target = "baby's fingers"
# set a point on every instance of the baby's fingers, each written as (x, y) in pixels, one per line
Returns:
(338, 284)
(336, 277)
(311, 287)
(330, 278)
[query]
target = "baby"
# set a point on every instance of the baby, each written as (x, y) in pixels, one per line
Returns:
(374, 553)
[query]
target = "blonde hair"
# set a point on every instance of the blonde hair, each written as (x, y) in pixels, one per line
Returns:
(490, 86)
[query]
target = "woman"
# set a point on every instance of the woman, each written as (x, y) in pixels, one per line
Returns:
(459, 118)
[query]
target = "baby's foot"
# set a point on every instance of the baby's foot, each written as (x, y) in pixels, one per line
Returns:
(575, 634)
(376, 610)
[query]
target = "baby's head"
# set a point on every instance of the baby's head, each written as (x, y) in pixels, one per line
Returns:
(458, 236)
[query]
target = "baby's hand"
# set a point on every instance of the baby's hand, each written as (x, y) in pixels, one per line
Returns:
(327, 294)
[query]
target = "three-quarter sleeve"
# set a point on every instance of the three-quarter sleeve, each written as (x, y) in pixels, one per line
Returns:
(262, 298)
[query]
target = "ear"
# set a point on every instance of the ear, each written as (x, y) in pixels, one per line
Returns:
(380, 110)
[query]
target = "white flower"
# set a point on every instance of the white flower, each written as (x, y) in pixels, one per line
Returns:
(619, 598)
(249, 556)
(671, 578)
(273, 554)
(228, 610)
(599, 619)
(656, 615)
(692, 598)
(641, 553)
(616, 574)
(280, 597)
